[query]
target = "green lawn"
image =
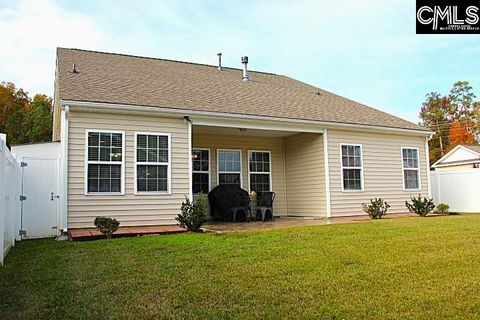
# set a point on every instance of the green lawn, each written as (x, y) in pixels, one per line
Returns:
(398, 268)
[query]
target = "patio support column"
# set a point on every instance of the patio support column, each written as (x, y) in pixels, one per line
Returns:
(427, 159)
(190, 182)
(327, 173)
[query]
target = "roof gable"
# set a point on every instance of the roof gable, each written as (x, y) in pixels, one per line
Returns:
(459, 154)
(139, 81)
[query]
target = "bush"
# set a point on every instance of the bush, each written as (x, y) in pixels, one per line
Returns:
(376, 209)
(421, 205)
(443, 208)
(193, 214)
(106, 225)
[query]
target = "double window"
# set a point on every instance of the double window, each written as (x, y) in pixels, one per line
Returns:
(152, 163)
(229, 167)
(259, 171)
(411, 169)
(352, 167)
(200, 171)
(105, 155)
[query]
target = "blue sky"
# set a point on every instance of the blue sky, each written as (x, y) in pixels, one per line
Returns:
(364, 50)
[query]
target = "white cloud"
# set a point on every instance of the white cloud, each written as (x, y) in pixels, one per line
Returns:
(30, 31)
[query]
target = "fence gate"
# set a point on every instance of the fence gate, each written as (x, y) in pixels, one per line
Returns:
(40, 198)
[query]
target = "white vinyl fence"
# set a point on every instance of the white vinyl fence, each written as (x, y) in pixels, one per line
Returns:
(459, 189)
(10, 190)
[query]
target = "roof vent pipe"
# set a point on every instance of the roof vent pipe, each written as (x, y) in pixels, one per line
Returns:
(219, 61)
(74, 68)
(245, 62)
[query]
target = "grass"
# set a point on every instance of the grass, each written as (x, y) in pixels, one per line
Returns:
(398, 268)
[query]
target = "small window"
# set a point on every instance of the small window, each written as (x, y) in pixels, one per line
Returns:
(200, 171)
(152, 163)
(411, 169)
(229, 167)
(259, 168)
(104, 162)
(352, 168)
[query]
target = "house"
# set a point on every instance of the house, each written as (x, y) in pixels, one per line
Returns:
(456, 179)
(139, 134)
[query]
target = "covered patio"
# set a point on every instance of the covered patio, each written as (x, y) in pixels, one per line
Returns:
(260, 157)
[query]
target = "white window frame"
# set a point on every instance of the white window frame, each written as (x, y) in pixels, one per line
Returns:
(209, 168)
(418, 169)
(218, 166)
(254, 172)
(168, 164)
(122, 164)
(362, 180)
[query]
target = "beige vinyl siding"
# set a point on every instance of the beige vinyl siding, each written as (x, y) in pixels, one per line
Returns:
(305, 175)
(246, 143)
(129, 209)
(382, 170)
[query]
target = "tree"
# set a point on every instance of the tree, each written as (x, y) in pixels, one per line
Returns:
(434, 115)
(13, 105)
(454, 118)
(39, 119)
(22, 119)
(460, 134)
(461, 101)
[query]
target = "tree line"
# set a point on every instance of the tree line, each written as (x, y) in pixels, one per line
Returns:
(454, 118)
(24, 119)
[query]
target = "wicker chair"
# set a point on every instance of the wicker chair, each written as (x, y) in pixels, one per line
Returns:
(265, 206)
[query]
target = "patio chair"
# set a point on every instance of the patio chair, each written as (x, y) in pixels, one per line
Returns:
(227, 202)
(265, 206)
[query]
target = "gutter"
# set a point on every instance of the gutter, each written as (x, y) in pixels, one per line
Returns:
(224, 115)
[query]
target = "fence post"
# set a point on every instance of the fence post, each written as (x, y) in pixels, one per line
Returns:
(3, 147)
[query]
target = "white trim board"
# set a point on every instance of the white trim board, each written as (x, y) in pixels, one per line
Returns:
(210, 117)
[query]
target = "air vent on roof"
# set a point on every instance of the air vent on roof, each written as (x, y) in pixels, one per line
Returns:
(73, 69)
(245, 74)
(219, 61)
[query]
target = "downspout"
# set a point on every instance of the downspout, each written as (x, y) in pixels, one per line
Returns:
(64, 139)
(327, 173)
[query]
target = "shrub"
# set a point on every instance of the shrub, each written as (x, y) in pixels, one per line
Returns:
(193, 214)
(376, 209)
(421, 205)
(106, 225)
(443, 208)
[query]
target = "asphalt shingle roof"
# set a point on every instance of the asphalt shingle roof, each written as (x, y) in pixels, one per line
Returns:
(124, 79)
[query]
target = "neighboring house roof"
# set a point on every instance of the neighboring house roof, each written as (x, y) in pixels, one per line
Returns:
(140, 81)
(459, 155)
(473, 148)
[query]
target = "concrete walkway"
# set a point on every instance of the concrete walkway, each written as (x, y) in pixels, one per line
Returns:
(286, 222)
